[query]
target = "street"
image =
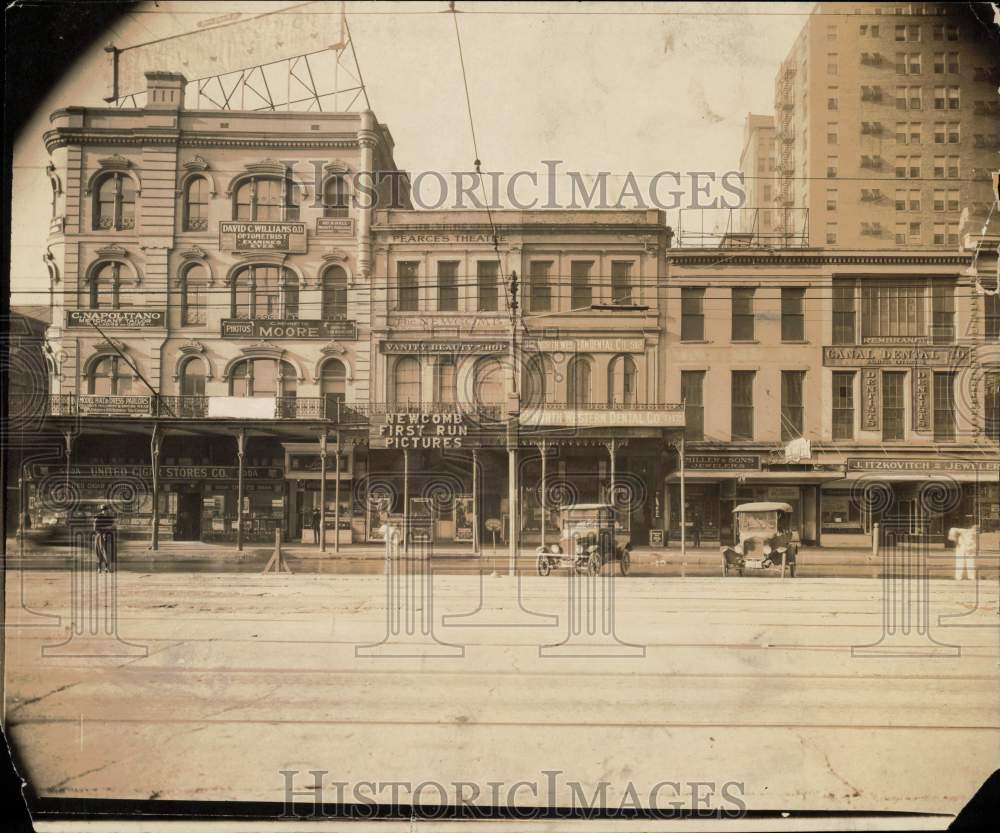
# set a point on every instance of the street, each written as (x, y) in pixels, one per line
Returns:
(217, 682)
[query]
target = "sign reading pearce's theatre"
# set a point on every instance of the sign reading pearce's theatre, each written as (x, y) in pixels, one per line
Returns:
(287, 328)
(116, 318)
(266, 237)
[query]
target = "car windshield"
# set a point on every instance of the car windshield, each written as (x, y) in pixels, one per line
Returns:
(758, 523)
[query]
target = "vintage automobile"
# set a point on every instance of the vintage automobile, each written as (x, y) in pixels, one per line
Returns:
(59, 527)
(764, 540)
(589, 538)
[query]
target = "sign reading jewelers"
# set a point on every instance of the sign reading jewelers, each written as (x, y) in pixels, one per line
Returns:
(925, 466)
(117, 319)
(722, 462)
(262, 237)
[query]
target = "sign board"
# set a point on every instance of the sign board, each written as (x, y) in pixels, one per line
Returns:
(243, 407)
(656, 537)
(415, 431)
(493, 525)
(334, 227)
(466, 237)
(572, 418)
(443, 347)
(465, 517)
(584, 345)
(288, 328)
(923, 466)
(240, 236)
(115, 405)
(721, 462)
(472, 324)
(117, 319)
(905, 356)
(113, 471)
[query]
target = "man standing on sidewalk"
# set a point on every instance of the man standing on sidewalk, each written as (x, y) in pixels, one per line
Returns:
(315, 525)
(696, 530)
(104, 538)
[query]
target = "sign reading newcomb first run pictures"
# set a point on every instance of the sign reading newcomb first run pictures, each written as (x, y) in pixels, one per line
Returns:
(262, 237)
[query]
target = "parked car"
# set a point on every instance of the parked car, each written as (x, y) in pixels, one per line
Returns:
(589, 538)
(57, 527)
(764, 540)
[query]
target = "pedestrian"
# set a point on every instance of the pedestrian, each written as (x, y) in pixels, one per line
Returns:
(696, 530)
(104, 538)
(315, 525)
(966, 543)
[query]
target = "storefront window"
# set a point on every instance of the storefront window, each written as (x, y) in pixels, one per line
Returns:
(840, 513)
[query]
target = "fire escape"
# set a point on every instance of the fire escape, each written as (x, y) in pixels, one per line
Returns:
(784, 106)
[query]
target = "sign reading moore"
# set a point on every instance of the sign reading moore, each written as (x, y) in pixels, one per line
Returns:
(288, 328)
(120, 319)
(266, 237)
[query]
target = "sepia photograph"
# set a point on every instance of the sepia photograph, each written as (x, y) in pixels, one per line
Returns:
(508, 416)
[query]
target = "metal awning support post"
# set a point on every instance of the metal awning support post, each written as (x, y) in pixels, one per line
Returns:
(68, 439)
(241, 447)
(406, 499)
(612, 446)
(683, 508)
(475, 501)
(336, 494)
(543, 448)
(322, 491)
(154, 453)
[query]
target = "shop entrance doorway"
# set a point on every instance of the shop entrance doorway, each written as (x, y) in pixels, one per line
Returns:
(188, 516)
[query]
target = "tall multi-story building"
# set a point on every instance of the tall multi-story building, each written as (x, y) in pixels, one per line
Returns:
(210, 309)
(759, 167)
(888, 123)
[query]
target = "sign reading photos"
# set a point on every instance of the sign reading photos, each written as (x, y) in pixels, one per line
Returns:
(117, 319)
(238, 236)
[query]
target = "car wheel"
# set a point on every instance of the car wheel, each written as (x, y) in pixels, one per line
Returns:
(594, 564)
(625, 562)
(544, 567)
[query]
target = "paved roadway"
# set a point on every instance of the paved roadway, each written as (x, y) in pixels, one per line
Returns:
(740, 680)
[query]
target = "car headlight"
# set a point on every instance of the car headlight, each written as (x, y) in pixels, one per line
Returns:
(782, 549)
(554, 549)
(767, 549)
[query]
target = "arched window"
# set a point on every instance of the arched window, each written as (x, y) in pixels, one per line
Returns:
(105, 286)
(406, 382)
(110, 376)
(539, 381)
(334, 294)
(261, 291)
(192, 378)
(114, 203)
(622, 381)
(447, 380)
(335, 199)
(490, 387)
(266, 199)
(194, 291)
(333, 385)
(263, 378)
(196, 204)
(578, 392)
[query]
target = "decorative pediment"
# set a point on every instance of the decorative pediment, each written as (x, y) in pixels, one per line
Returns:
(195, 165)
(113, 251)
(193, 253)
(111, 345)
(263, 349)
(191, 347)
(267, 166)
(333, 349)
(337, 166)
(335, 256)
(115, 163)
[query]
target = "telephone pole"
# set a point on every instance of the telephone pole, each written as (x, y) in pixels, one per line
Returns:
(513, 415)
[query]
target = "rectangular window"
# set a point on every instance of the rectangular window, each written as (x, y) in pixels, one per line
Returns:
(939, 162)
(692, 314)
(940, 133)
(991, 393)
(939, 200)
(992, 316)
(916, 98)
(831, 167)
(447, 280)
(792, 403)
(831, 63)
(954, 133)
(893, 310)
(939, 234)
(693, 397)
(900, 33)
(900, 98)
(831, 133)
(900, 234)
(843, 405)
(831, 234)
(954, 199)
(914, 236)
(901, 132)
(792, 314)
(743, 317)
(742, 404)
(487, 274)
(944, 406)
(943, 313)
(914, 200)
(409, 289)
(954, 98)
(893, 405)
(581, 291)
(916, 133)
(900, 200)
(621, 282)
(913, 64)
(953, 167)
(939, 63)
(953, 64)
(843, 313)
(541, 287)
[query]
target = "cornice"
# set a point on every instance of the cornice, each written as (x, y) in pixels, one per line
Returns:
(516, 228)
(721, 258)
(64, 137)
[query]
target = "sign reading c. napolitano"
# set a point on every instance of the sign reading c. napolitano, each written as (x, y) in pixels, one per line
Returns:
(119, 319)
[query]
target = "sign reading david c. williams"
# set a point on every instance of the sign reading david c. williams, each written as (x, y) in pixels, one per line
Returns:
(268, 237)
(120, 319)
(288, 328)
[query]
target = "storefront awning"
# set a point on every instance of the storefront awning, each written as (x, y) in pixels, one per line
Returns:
(910, 477)
(751, 477)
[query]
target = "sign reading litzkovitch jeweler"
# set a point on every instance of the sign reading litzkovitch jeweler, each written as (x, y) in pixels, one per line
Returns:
(237, 236)
(116, 319)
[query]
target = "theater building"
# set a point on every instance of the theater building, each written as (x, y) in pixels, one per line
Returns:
(857, 387)
(589, 380)
(210, 278)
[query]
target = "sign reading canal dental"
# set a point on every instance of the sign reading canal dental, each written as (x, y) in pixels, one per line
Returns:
(906, 356)
(413, 431)
(288, 328)
(116, 319)
(262, 237)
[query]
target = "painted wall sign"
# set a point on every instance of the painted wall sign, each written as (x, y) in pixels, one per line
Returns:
(262, 237)
(466, 324)
(921, 466)
(922, 400)
(871, 399)
(404, 237)
(120, 319)
(115, 405)
(185, 473)
(334, 227)
(416, 431)
(585, 345)
(571, 418)
(722, 462)
(446, 347)
(943, 356)
(288, 328)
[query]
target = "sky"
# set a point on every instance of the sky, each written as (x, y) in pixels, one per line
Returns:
(617, 87)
